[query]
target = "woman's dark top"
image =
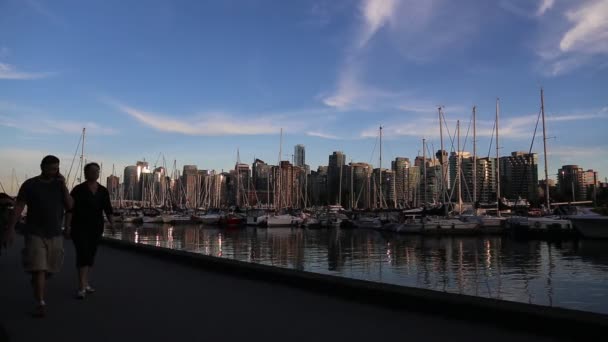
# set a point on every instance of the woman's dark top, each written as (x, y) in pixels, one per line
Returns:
(87, 215)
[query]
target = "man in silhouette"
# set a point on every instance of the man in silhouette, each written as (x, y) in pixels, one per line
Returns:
(47, 198)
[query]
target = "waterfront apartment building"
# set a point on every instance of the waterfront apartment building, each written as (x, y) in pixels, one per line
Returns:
(317, 183)
(190, 184)
(519, 176)
(335, 173)
(299, 155)
(262, 181)
(131, 183)
(113, 186)
(485, 178)
(572, 183)
(356, 185)
(401, 167)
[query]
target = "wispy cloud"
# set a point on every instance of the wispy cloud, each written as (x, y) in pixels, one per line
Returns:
(213, 124)
(376, 13)
(9, 72)
(322, 135)
(545, 5)
(579, 41)
(412, 31)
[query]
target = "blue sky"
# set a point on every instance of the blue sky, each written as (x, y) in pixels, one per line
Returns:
(194, 81)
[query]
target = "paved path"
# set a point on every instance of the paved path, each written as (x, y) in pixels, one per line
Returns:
(141, 298)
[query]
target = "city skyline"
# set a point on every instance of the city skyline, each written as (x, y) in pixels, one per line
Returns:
(196, 82)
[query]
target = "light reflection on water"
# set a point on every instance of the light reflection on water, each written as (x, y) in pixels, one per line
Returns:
(571, 274)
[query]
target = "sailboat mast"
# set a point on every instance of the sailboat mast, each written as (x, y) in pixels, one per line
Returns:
(238, 178)
(497, 162)
(474, 156)
(459, 170)
(82, 155)
(340, 183)
(441, 162)
(542, 110)
(380, 171)
(280, 171)
(424, 170)
(352, 196)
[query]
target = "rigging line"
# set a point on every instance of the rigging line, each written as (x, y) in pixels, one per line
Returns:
(374, 150)
(467, 135)
(448, 131)
(491, 139)
(73, 158)
(526, 164)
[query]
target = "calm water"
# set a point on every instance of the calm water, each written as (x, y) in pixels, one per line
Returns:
(570, 274)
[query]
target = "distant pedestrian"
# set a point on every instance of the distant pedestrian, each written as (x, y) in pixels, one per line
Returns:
(84, 225)
(46, 197)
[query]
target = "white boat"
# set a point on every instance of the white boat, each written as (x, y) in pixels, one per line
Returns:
(283, 220)
(544, 225)
(211, 219)
(586, 222)
(311, 222)
(488, 224)
(368, 223)
(449, 225)
(176, 218)
(152, 219)
(591, 226)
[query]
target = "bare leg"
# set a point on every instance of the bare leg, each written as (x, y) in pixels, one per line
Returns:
(83, 277)
(38, 282)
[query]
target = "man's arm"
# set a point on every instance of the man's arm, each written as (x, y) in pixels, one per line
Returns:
(9, 234)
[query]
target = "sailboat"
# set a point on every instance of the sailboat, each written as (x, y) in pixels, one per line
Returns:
(523, 225)
(489, 224)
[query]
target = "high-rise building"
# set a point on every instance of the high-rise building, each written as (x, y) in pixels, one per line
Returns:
(591, 184)
(113, 185)
(413, 186)
(383, 188)
(519, 176)
(461, 174)
(131, 183)
(317, 182)
(262, 181)
(286, 185)
(357, 192)
(335, 170)
(243, 186)
(401, 168)
(486, 179)
(571, 183)
(299, 155)
(160, 186)
(191, 185)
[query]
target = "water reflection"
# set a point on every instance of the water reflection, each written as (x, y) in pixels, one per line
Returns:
(568, 274)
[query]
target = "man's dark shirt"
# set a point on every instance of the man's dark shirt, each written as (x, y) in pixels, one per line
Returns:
(89, 208)
(45, 206)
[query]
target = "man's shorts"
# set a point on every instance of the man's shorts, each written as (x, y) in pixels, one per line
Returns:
(43, 254)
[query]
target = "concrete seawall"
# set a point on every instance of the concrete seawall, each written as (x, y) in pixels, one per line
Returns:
(541, 320)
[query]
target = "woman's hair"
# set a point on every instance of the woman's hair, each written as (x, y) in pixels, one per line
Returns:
(90, 165)
(50, 159)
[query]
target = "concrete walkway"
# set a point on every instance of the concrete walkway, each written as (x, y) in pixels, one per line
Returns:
(142, 298)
